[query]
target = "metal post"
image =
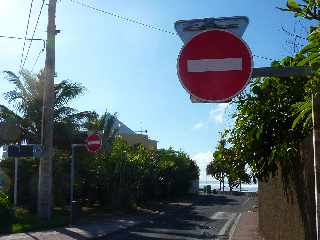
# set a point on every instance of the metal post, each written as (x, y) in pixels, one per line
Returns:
(223, 184)
(15, 194)
(316, 155)
(71, 182)
(73, 146)
(281, 71)
(206, 188)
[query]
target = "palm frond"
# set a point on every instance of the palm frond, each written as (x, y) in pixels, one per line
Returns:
(6, 115)
(109, 131)
(303, 110)
(63, 112)
(13, 78)
(66, 91)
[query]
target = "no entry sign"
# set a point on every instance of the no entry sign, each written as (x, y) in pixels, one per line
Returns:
(215, 66)
(93, 143)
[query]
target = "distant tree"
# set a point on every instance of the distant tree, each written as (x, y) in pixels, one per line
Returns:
(216, 169)
(226, 164)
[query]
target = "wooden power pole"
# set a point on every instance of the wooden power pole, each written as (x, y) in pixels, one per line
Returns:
(45, 168)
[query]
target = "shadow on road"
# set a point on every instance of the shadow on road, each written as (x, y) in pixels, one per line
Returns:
(188, 223)
(206, 200)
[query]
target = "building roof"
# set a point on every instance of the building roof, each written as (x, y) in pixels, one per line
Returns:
(122, 128)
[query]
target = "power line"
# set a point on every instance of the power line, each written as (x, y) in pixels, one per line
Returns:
(28, 39)
(139, 22)
(294, 43)
(261, 57)
(36, 61)
(20, 38)
(25, 36)
(293, 34)
(131, 20)
(34, 31)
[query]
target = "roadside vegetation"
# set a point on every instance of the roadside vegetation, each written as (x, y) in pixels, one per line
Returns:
(118, 177)
(273, 116)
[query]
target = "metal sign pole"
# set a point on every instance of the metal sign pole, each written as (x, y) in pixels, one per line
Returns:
(316, 155)
(15, 194)
(71, 182)
(73, 146)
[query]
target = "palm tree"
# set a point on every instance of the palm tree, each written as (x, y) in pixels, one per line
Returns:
(104, 124)
(26, 112)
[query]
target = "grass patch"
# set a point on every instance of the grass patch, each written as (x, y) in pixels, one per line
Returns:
(26, 221)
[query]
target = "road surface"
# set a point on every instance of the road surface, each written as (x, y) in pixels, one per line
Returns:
(209, 217)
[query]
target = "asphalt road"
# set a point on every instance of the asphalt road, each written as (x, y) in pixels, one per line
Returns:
(209, 217)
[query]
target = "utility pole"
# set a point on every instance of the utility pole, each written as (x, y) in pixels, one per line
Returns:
(45, 168)
(316, 156)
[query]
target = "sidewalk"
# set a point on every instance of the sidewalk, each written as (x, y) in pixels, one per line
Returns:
(93, 230)
(247, 228)
(97, 229)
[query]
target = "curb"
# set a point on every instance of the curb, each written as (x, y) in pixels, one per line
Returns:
(234, 226)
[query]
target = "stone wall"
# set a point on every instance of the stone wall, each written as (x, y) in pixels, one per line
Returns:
(282, 217)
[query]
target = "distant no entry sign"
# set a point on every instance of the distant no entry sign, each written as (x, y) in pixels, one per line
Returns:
(93, 143)
(215, 66)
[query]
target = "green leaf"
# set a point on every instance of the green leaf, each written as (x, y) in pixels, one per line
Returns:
(299, 14)
(293, 5)
(310, 47)
(283, 9)
(301, 108)
(259, 132)
(312, 58)
(315, 60)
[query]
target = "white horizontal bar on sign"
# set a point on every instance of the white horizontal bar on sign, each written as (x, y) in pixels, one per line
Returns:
(215, 65)
(94, 142)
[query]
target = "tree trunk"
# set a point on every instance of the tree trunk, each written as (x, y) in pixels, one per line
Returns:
(223, 184)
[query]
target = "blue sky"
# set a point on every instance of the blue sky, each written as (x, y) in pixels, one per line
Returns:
(130, 69)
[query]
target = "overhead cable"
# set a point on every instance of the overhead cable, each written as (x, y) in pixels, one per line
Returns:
(26, 33)
(293, 34)
(36, 61)
(34, 31)
(80, 3)
(131, 20)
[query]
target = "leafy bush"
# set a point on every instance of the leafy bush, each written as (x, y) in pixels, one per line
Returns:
(6, 213)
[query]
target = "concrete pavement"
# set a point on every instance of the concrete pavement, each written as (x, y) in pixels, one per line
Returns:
(246, 227)
(209, 217)
(88, 231)
(205, 217)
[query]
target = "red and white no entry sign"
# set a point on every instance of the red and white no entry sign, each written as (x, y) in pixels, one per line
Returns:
(215, 66)
(93, 143)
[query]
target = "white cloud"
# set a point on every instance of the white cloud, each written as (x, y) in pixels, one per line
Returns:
(202, 159)
(198, 125)
(216, 115)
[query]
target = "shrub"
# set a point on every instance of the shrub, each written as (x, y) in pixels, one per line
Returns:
(6, 213)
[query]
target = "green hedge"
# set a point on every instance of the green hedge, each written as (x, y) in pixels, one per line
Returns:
(6, 214)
